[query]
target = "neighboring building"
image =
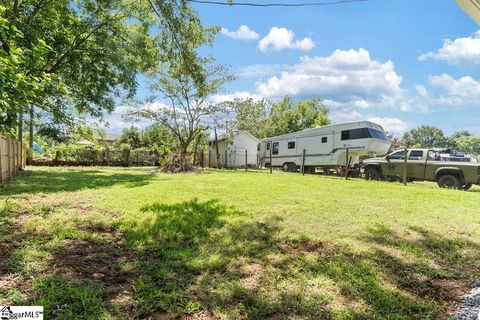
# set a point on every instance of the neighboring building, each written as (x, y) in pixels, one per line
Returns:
(108, 140)
(234, 149)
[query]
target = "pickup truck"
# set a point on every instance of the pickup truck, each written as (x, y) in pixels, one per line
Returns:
(423, 164)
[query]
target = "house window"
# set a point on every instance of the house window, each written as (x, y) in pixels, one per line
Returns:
(291, 145)
(324, 139)
(415, 155)
(275, 148)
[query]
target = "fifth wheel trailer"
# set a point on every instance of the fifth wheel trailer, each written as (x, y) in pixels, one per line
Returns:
(325, 147)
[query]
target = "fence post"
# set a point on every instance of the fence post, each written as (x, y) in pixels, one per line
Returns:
(1, 159)
(271, 146)
(405, 167)
(302, 169)
(19, 155)
(209, 158)
(346, 165)
(9, 164)
(226, 155)
(246, 159)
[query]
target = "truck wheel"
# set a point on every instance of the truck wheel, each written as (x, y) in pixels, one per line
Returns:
(448, 181)
(292, 167)
(286, 167)
(372, 174)
(466, 186)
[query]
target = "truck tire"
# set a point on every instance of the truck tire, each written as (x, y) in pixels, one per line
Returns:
(372, 173)
(466, 186)
(286, 167)
(448, 181)
(292, 167)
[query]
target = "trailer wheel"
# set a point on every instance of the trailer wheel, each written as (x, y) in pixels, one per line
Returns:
(448, 181)
(286, 167)
(372, 174)
(292, 167)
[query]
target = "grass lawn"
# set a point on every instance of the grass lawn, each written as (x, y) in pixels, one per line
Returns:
(112, 243)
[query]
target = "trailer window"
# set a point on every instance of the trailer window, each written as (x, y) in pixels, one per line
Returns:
(324, 139)
(268, 145)
(377, 134)
(275, 148)
(415, 155)
(258, 147)
(354, 134)
(291, 145)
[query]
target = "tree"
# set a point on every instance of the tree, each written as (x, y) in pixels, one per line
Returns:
(426, 137)
(98, 47)
(132, 137)
(17, 86)
(286, 117)
(468, 144)
(249, 115)
(187, 102)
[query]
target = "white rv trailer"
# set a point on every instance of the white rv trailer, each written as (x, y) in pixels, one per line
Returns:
(325, 147)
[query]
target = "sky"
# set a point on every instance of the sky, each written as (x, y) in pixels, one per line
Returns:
(399, 63)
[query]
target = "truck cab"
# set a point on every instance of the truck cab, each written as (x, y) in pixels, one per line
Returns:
(424, 164)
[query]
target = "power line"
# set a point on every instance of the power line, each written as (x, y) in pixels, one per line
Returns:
(251, 4)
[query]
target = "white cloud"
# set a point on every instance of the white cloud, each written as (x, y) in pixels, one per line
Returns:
(279, 39)
(218, 98)
(346, 79)
(393, 125)
(242, 33)
(462, 92)
(461, 51)
(421, 90)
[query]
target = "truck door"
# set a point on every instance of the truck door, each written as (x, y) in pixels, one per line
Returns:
(416, 164)
(394, 166)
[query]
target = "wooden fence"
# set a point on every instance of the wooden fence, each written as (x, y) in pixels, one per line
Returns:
(13, 158)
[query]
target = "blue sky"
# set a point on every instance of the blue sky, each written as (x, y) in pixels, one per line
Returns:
(401, 63)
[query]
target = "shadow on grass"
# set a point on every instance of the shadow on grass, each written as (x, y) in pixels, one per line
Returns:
(52, 181)
(206, 259)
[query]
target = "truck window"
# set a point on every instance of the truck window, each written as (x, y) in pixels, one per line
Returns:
(397, 155)
(268, 145)
(291, 145)
(415, 155)
(324, 139)
(275, 148)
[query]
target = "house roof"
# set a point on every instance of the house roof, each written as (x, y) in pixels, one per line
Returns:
(85, 143)
(221, 137)
(471, 7)
(109, 137)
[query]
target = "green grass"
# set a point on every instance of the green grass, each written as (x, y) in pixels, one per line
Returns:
(117, 243)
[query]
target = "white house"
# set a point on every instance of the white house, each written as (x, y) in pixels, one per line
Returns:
(231, 150)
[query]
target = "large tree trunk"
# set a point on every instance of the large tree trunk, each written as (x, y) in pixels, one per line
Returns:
(30, 141)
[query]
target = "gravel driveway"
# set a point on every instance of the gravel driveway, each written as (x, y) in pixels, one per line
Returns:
(470, 308)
